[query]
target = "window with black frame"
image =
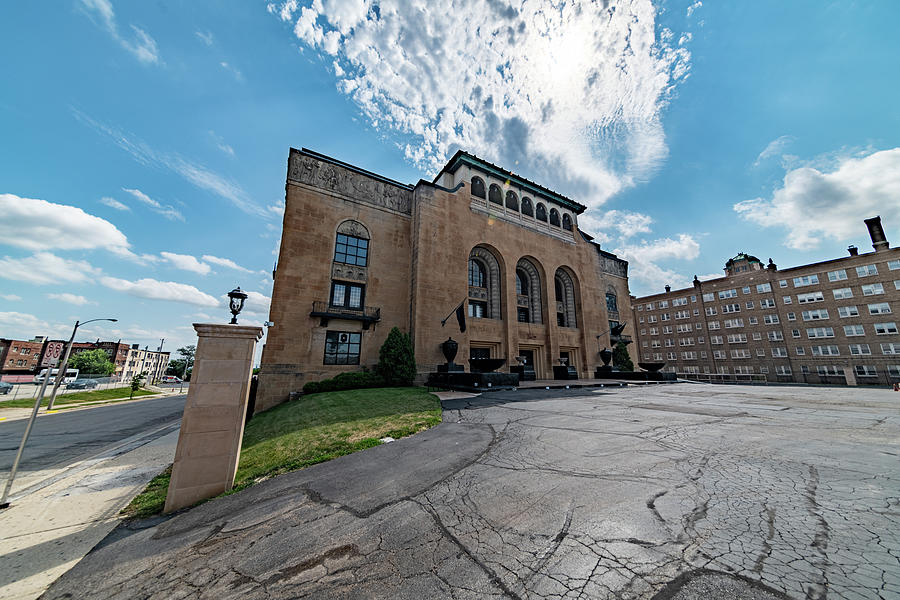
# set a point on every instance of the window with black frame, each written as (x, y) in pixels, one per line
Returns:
(342, 347)
(612, 304)
(347, 295)
(351, 250)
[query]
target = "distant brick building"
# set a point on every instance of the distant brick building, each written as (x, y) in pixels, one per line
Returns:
(361, 254)
(831, 322)
(19, 359)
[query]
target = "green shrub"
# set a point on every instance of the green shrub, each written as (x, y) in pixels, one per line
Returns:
(396, 362)
(344, 381)
(621, 360)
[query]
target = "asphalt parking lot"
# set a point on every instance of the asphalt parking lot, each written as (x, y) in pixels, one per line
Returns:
(676, 491)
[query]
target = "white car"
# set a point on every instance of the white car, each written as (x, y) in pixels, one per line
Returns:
(171, 379)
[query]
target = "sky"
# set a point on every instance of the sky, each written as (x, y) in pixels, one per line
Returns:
(145, 145)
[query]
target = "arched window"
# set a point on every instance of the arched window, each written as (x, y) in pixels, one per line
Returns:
(476, 274)
(528, 292)
(526, 207)
(554, 217)
(564, 286)
(512, 201)
(541, 212)
(484, 284)
(495, 195)
(612, 304)
(567, 222)
(352, 244)
(477, 187)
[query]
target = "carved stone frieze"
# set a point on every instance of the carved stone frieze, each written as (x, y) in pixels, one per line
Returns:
(478, 293)
(356, 186)
(354, 228)
(522, 301)
(349, 272)
(613, 266)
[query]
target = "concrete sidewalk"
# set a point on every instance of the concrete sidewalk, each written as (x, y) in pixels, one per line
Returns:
(45, 532)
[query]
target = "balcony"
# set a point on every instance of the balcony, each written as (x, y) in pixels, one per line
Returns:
(325, 312)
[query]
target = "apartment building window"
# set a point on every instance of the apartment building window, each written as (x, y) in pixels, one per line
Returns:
(731, 323)
(847, 311)
(782, 283)
(815, 315)
(806, 280)
(664, 304)
(825, 351)
(791, 316)
(762, 288)
(342, 348)
(649, 306)
(709, 297)
(651, 319)
(882, 308)
(783, 370)
(775, 336)
(713, 325)
(757, 336)
(749, 305)
(640, 307)
(743, 370)
(838, 275)
(801, 351)
(654, 331)
(698, 326)
(860, 350)
(664, 317)
(654, 343)
(767, 303)
(697, 311)
(764, 370)
(894, 265)
(753, 321)
(842, 293)
(873, 289)
(820, 332)
(760, 353)
(741, 353)
(866, 371)
(657, 356)
(786, 300)
(866, 270)
(693, 298)
(647, 356)
(347, 295)
(745, 289)
(670, 356)
(710, 311)
(779, 352)
(890, 348)
(667, 329)
(719, 354)
(688, 356)
(737, 338)
(644, 344)
(679, 302)
(854, 330)
(683, 314)
(897, 284)
(684, 328)
(715, 340)
(727, 294)
(670, 343)
(730, 308)
(701, 340)
(885, 328)
(810, 297)
(643, 331)
(894, 370)
(771, 319)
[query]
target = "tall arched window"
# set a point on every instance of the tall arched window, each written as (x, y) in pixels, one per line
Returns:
(477, 187)
(484, 284)
(495, 195)
(541, 212)
(512, 201)
(526, 207)
(567, 222)
(528, 292)
(476, 274)
(554, 217)
(564, 286)
(612, 304)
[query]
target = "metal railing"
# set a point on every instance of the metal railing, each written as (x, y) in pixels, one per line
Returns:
(751, 378)
(322, 308)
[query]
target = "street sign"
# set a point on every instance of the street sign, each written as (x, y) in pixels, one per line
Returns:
(52, 354)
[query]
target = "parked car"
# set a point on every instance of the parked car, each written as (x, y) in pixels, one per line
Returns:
(5, 387)
(171, 379)
(82, 384)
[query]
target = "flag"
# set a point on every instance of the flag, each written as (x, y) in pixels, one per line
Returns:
(461, 316)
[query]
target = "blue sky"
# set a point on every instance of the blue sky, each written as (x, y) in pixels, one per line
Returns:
(145, 144)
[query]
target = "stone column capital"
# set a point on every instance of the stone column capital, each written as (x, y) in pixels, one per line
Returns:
(224, 330)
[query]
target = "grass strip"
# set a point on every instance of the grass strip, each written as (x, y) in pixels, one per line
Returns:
(310, 430)
(76, 397)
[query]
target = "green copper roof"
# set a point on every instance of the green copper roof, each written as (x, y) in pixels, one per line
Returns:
(742, 256)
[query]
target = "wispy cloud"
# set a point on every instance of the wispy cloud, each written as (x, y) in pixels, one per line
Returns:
(70, 298)
(198, 175)
(225, 262)
(141, 44)
(571, 96)
(113, 203)
(235, 72)
(44, 268)
(168, 211)
(152, 289)
(11, 297)
(220, 143)
(186, 262)
(205, 36)
(773, 148)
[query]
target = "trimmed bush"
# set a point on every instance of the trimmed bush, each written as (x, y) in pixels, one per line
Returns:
(344, 381)
(620, 358)
(396, 362)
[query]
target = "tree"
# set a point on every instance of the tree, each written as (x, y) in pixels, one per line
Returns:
(95, 362)
(620, 359)
(136, 382)
(177, 365)
(396, 362)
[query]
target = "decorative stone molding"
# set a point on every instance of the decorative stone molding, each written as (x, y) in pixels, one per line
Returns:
(568, 302)
(342, 181)
(613, 266)
(493, 279)
(349, 272)
(478, 293)
(522, 301)
(354, 228)
(534, 290)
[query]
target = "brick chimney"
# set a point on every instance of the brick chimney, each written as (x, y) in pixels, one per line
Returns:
(668, 288)
(876, 232)
(853, 250)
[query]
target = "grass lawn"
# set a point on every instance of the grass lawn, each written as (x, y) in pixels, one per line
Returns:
(311, 430)
(75, 397)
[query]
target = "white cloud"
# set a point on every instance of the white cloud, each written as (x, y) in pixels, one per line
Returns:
(233, 70)
(142, 46)
(186, 262)
(815, 202)
(22, 325)
(70, 298)
(220, 143)
(205, 36)
(257, 304)
(10, 297)
(775, 147)
(113, 203)
(40, 225)
(643, 258)
(225, 262)
(161, 290)
(624, 223)
(44, 268)
(168, 211)
(570, 96)
(693, 7)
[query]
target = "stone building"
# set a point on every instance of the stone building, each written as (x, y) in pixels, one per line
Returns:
(361, 253)
(151, 362)
(831, 322)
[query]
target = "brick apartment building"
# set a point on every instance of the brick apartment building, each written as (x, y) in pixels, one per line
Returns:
(19, 359)
(831, 322)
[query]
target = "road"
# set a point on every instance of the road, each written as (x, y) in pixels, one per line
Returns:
(61, 439)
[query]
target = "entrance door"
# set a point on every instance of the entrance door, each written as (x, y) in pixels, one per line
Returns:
(528, 373)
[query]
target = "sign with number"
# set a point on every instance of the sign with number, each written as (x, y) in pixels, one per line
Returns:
(52, 354)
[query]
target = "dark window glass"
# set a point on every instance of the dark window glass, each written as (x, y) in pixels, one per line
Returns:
(476, 274)
(495, 195)
(478, 187)
(351, 250)
(554, 217)
(512, 201)
(477, 309)
(347, 295)
(541, 212)
(561, 319)
(567, 222)
(611, 303)
(342, 348)
(558, 288)
(521, 283)
(526, 207)
(479, 352)
(522, 315)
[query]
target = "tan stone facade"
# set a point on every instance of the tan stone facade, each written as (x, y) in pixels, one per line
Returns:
(831, 322)
(541, 285)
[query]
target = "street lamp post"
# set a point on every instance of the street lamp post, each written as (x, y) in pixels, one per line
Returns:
(61, 373)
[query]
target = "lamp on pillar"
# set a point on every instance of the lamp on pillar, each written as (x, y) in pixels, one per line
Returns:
(236, 303)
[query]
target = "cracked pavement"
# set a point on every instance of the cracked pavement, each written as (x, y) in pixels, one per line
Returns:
(669, 491)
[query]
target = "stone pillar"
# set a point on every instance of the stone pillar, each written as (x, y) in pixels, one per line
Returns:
(850, 374)
(209, 443)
